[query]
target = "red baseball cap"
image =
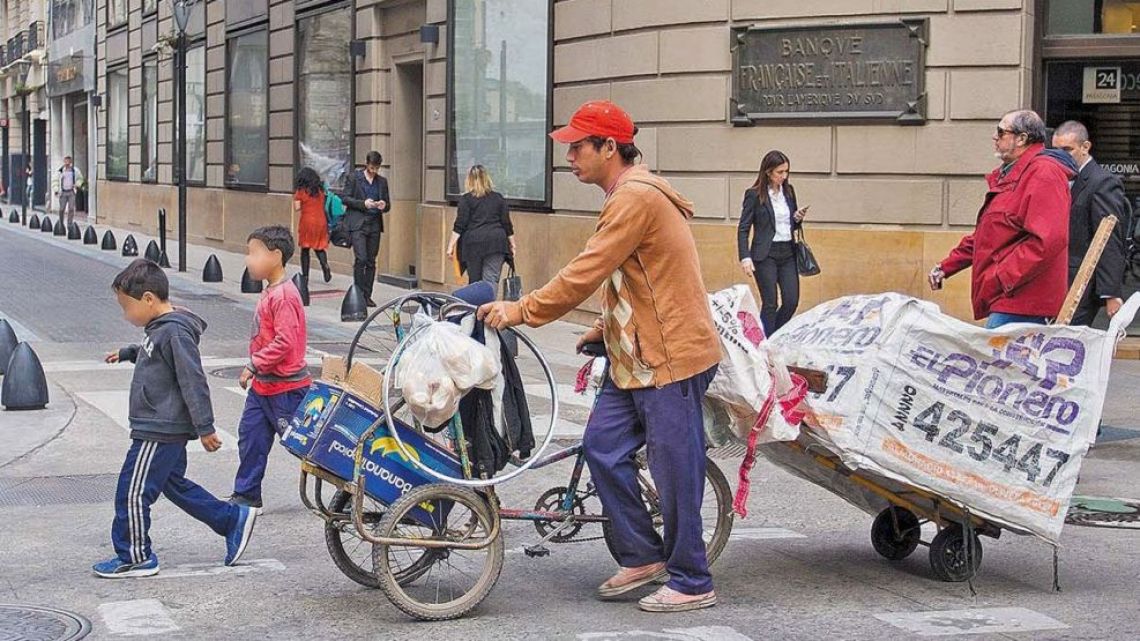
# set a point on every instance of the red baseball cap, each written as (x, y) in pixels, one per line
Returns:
(597, 118)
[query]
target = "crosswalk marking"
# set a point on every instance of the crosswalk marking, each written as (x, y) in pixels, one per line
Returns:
(93, 365)
(116, 405)
(141, 617)
(764, 533)
(941, 623)
(701, 633)
(213, 569)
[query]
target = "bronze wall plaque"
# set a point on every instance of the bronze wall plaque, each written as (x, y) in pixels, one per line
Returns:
(869, 71)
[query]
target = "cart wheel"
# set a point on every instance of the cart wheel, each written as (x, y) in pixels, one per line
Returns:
(551, 501)
(716, 509)
(896, 532)
(948, 555)
(352, 554)
(455, 581)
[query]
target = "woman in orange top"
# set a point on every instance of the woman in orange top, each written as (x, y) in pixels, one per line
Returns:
(312, 226)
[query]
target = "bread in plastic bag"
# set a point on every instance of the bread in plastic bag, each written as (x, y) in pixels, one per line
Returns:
(441, 365)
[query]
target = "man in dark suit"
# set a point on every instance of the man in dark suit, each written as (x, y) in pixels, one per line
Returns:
(365, 198)
(1096, 193)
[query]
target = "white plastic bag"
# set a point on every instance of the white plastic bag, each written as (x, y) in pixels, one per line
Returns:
(439, 367)
(750, 375)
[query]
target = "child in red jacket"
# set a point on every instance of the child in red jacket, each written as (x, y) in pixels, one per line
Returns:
(276, 367)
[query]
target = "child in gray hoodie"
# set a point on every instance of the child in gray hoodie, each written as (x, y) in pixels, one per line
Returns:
(169, 405)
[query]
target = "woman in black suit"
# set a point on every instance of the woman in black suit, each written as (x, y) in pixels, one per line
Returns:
(770, 209)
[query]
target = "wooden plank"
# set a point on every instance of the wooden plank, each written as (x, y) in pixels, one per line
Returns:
(1085, 274)
(816, 379)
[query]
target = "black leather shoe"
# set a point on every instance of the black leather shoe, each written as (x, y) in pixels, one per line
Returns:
(369, 302)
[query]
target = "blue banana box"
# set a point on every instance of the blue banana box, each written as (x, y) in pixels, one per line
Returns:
(311, 416)
(388, 474)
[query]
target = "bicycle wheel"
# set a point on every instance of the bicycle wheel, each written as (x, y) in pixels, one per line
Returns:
(352, 554)
(456, 580)
(716, 508)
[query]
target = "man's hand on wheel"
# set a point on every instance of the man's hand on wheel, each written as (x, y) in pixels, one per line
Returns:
(500, 315)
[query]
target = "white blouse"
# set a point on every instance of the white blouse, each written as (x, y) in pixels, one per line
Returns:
(783, 216)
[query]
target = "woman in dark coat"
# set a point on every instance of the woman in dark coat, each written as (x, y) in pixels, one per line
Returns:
(482, 234)
(771, 215)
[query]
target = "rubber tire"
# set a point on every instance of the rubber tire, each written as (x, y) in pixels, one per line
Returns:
(341, 502)
(947, 555)
(492, 568)
(896, 545)
(715, 477)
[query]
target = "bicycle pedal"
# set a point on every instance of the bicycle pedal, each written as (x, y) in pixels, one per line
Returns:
(534, 551)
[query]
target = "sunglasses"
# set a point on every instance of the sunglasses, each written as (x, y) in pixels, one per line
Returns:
(1001, 132)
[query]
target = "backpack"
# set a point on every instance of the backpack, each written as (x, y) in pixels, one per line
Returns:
(334, 214)
(334, 207)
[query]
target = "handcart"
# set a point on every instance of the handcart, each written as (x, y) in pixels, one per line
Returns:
(931, 420)
(409, 515)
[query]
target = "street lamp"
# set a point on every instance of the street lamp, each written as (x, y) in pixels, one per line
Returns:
(182, 10)
(23, 69)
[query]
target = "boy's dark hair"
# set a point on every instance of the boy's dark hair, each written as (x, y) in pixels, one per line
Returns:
(374, 159)
(275, 237)
(140, 277)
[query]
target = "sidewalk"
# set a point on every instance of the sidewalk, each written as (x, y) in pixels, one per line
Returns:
(25, 432)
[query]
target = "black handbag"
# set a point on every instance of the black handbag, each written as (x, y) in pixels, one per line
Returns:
(512, 285)
(339, 234)
(512, 290)
(806, 263)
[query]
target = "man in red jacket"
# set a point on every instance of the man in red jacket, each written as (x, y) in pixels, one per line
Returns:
(1020, 246)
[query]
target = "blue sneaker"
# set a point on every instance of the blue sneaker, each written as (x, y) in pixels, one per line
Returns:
(117, 568)
(238, 538)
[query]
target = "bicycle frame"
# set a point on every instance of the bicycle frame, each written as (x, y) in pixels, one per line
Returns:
(566, 512)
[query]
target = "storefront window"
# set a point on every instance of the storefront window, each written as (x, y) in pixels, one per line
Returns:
(247, 114)
(116, 13)
(150, 120)
(196, 114)
(117, 116)
(500, 87)
(324, 83)
(69, 15)
(1086, 17)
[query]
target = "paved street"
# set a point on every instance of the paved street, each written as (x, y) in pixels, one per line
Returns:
(800, 567)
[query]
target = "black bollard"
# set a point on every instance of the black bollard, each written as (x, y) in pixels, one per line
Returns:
(14, 217)
(353, 307)
(152, 252)
(60, 229)
(130, 247)
(73, 232)
(302, 287)
(8, 344)
(46, 226)
(163, 261)
(212, 272)
(25, 386)
(109, 243)
(248, 284)
(90, 237)
(34, 222)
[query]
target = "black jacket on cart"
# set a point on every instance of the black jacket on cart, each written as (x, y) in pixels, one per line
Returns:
(489, 450)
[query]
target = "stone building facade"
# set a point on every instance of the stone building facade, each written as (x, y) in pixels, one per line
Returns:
(437, 85)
